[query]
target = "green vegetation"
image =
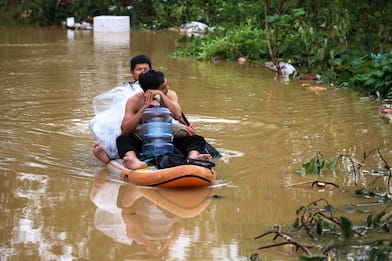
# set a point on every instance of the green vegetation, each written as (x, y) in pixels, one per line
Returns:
(372, 74)
(317, 163)
(335, 39)
(226, 44)
(321, 231)
(348, 43)
(330, 235)
(323, 37)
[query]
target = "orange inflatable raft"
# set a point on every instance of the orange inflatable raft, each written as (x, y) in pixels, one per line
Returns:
(181, 176)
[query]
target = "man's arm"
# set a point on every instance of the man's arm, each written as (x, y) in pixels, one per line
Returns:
(134, 109)
(169, 100)
(172, 103)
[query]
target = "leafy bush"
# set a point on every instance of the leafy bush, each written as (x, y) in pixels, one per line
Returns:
(41, 13)
(228, 44)
(372, 74)
(49, 12)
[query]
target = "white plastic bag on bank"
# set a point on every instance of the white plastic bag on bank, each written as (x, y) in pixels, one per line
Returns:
(109, 109)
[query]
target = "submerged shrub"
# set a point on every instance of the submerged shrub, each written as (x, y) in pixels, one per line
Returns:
(372, 74)
(228, 44)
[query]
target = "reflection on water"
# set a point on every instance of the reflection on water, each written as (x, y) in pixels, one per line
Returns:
(30, 187)
(264, 129)
(147, 217)
(27, 207)
(106, 40)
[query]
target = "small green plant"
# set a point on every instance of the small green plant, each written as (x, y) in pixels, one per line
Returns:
(317, 163)
(320, 220)
(383, 219)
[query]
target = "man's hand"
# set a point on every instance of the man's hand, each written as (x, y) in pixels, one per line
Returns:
(149, 98)
(191, 129)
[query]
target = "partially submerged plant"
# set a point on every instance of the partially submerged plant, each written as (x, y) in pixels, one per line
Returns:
(315, 219)
(383, 219)
(318, 222)
(317, 163)
(350, 166)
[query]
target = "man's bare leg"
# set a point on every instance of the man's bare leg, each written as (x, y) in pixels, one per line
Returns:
(132, 162)
(99, 153)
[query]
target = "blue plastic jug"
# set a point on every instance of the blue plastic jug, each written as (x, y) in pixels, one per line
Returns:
(157, 131)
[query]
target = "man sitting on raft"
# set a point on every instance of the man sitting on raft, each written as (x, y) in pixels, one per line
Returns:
(129, 145)
(138, 65)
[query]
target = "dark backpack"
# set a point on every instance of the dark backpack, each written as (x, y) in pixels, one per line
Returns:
(172, 159)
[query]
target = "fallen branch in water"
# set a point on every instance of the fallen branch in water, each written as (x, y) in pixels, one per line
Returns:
(388, 168)
(289, 240)
(318, 183)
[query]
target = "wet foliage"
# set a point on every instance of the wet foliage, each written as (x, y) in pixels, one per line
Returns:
(371, 73)
(317, 163)
(333, 39)
(225, 44)
(321, 232)
(350, 165)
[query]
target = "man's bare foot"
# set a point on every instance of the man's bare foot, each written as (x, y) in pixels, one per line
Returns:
(204, 157)
(99, 153)
(194, 154)
(201, 159)
(133, 163)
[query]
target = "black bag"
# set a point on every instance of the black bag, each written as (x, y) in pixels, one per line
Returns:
(171, 159)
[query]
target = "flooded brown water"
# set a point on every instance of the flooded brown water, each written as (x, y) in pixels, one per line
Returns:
(59, 203)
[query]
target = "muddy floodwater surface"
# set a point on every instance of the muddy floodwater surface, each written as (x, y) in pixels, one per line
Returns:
(59, 203)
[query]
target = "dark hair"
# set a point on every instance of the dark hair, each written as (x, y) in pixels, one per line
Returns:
(138, 59)
(151, 80)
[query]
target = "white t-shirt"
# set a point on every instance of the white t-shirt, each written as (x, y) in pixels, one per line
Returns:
(287, 68)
